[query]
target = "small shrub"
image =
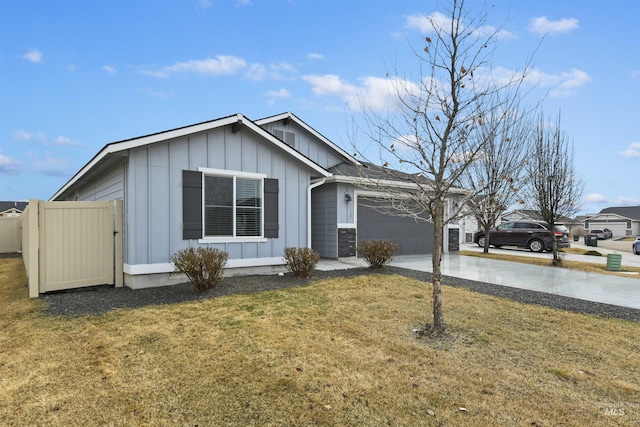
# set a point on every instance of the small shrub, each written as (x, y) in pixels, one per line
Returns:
(377, 252)
(202, 266)
(301, 261)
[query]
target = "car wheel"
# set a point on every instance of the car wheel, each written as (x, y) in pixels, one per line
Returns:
(536, 245)
(481, 242)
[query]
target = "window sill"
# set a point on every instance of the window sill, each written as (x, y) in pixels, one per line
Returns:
(233, 240)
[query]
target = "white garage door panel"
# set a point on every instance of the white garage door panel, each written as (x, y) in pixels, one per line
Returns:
(618, 229)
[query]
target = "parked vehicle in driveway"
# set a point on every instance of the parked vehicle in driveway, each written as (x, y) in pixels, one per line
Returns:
(636, 246)
(599, 233)
(537, 236)
(608, 234)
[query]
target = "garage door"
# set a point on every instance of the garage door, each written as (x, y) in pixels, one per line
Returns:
(618, 229)
(412, 237)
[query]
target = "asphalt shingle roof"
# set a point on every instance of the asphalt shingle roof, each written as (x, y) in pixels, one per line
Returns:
(632, 212)
(5, 206)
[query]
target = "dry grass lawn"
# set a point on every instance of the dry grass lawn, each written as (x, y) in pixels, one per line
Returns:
(626, 271)
(338, 352)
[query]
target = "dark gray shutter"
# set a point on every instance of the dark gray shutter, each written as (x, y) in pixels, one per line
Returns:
(191, 205)
(271, 208)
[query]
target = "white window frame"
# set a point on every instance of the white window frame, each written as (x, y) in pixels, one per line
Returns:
(232, 174)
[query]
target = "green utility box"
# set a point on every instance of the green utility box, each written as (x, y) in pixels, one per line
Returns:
(614, 262)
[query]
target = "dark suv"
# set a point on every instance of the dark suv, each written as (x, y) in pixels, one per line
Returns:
(535, 235)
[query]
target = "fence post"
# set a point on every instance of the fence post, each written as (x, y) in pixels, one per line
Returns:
(32, 260)
(118, 239)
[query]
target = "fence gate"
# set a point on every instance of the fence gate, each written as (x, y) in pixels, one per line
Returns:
(78, 244)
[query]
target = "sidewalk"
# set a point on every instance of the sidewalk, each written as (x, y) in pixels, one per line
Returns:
(603, 288)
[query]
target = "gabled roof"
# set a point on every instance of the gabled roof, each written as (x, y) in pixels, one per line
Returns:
(290, 116)
(119, 148)
(631, 212)
(5, 206)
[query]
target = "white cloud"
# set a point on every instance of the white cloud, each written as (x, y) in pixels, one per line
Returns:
(258, 72)
(23, 135)
(373, 93)
(282, 93)
(241, 3)
(560, 84)
(332, 85)
(428, 24)
(34, 55)
(204, 4)
(109, 69)
(627, 201)
(318, 56)
(542, 25)
(53, 166)
(64, 141)
(8, 165)
(71, 68)
(274, 95)
(633, 151)
(220, 65)
(595, 198)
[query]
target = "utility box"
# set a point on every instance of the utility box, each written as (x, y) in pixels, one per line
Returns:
(614, 262)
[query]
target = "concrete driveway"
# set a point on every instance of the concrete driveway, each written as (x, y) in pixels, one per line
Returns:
(603, 288)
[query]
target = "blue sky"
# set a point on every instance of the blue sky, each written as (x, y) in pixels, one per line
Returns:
(76, 75)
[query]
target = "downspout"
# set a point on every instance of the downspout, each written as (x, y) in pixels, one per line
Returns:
(311, 186)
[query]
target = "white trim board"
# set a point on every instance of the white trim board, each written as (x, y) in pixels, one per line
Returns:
(138, 269)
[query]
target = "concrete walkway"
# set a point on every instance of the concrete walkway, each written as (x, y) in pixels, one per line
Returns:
(603, 288)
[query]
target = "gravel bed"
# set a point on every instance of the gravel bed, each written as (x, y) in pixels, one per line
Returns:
(102, 299)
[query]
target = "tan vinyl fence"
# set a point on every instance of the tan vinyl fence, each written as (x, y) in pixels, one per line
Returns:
(10, 239)
(72, 244)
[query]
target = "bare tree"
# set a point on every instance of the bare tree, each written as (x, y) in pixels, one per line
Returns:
(554, 190)
(497, 173)
(441, 124)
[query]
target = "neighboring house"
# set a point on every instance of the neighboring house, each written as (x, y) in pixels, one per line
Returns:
(622, 221)
(250, 188)
(530, 215)
(12, 209)
(520, 215)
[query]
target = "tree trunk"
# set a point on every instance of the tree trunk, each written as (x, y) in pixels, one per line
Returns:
(438, 319)
(487, 227)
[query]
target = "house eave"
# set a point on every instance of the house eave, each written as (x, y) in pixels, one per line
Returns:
(122, 147)
(385, 183)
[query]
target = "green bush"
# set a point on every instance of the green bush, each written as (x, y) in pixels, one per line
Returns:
(377, 252)
(301, 261)
(202, 266)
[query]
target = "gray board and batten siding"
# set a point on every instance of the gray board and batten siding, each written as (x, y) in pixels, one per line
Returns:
(149, 179)
(324, 237)
(155, 177)
(305, 143)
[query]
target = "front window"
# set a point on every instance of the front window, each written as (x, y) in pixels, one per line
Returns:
(233, 206)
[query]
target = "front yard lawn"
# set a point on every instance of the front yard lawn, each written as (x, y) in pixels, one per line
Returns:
(337, 352)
